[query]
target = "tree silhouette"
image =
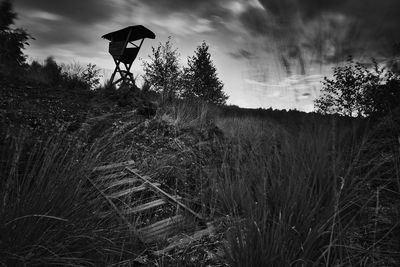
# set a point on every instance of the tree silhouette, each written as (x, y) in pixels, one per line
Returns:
(200, 78)
(12, 41)
(163, 71)
(357, 90)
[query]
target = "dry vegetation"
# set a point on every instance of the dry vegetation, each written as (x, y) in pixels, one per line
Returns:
(322, 192)
(282, 188)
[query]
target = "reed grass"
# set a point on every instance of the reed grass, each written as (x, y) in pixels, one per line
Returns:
(303, 197)
(292, 198)
(48, 207)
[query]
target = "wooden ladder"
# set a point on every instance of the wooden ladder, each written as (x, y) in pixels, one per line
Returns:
(120, 182)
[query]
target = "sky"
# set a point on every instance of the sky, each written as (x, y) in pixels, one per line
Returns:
(268, 53)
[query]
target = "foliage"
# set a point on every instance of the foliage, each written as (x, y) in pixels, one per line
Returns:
(73, 76)
(200, 78)
(91, 76)
(163, 70)
(87, 77)
(12, 41)
(53, 71)
(197, 80)
(384, 98)
(357, 90)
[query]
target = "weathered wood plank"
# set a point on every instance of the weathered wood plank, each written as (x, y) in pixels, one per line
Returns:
(115, 175)
(162, 223)
(161, 229)
(165, 229)
(147, 206)
(115, 208)
(114, 166)
(129, 191)
(161, 235)
(123, 182)
(168, 196)
(187, 240)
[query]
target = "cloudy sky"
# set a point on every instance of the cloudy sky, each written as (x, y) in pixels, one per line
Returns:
(268, 53)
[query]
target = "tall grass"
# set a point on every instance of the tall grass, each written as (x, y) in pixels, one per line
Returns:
(299, 197)
(291, 197)
(183, 114)
(47, 206)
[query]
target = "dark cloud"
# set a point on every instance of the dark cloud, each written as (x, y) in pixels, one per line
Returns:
(85, 11)
(55, 23)
(215, 11)
(59, 33)
(241, 54)
(256, 21)
(370, 26)
(302, 30)
(203, 7)
(283, 10)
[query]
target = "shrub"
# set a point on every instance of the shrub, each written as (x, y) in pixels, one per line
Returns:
(163, 70)
(73, 76)
(91, 76)
(359, 91)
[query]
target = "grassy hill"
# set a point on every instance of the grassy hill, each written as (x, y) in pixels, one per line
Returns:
(287, 188)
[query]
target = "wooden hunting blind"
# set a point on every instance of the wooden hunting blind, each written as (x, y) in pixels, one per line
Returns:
(121, 53)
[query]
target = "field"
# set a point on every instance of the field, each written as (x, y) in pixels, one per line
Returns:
(283, 188)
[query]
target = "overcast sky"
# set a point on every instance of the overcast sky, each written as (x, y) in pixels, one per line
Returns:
(268, 53)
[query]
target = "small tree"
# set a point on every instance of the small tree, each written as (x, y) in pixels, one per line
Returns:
(91, 76)
(12, 41)
(200, 78)
(163, 70)
(359, 91)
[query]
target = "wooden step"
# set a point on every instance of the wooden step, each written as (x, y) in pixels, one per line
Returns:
(147, 206)
(184, 241)
(130, 190)
(115, 175)
(114, 166)
(161, 229)
(165, 194)
(125, 181)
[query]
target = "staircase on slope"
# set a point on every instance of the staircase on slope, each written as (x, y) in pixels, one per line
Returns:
(156, 214)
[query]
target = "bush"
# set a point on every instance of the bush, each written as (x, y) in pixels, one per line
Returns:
(357, 90)
(91, 76)
(73, 76)
(163, 70)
